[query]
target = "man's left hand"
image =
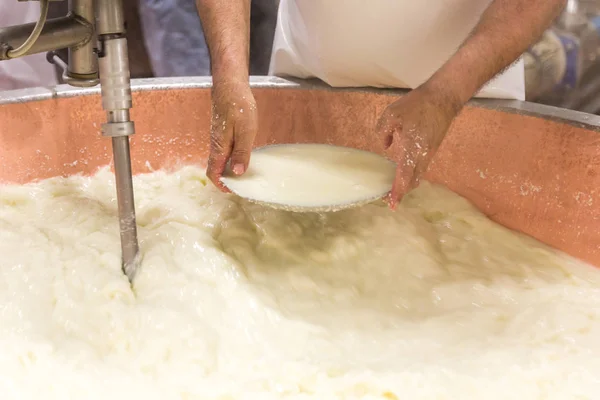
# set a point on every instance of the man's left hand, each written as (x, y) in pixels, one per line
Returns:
(412, 129)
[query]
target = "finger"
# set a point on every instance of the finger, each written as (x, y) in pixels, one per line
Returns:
(391, 202)
(215, 176)
(243, 139)
(214, 172)
(420, 170)
(401, 185)
(416, 178)
(221, 142)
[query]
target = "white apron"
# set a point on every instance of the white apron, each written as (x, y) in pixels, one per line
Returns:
(28, 71)
(379, 43)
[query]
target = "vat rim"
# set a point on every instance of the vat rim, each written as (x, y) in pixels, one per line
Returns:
(556, 114)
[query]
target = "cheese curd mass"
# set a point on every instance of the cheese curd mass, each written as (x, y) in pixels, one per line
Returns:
(238, 301)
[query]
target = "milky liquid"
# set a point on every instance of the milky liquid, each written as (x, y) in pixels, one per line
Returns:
(313, 176)
(237, 301)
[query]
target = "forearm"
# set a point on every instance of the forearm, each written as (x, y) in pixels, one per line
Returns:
(226, 25)
(506, 29)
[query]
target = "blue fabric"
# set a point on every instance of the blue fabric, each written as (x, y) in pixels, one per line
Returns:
(174, 38)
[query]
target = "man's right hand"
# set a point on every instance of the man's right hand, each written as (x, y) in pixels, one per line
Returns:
(234, 124)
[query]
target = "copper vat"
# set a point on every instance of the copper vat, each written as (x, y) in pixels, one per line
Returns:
(532, 168)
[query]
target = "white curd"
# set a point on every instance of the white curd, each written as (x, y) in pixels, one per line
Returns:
(238, 301)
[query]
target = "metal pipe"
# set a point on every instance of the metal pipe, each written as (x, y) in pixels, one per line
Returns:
(116, 100)
(58, 33)
(112, 20)
(126, 206)
(35, 34)
(83, 64)
(115, 87)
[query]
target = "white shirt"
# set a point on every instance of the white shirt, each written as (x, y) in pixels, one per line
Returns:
(28, 71)
(379, 43)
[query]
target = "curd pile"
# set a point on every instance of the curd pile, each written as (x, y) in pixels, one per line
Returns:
(238, 301)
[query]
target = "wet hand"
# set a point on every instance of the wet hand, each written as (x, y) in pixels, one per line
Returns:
(412, 129)
(234, 123)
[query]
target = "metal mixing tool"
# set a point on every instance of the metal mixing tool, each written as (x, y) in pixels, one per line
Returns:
(94, 33)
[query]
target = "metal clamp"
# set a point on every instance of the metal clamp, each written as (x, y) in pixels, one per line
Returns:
(53, 58)
(118, 129)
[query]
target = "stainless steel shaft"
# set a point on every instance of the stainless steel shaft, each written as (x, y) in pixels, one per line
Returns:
(116, 100)
(125, 199)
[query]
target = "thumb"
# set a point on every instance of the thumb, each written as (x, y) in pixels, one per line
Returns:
(243, 140)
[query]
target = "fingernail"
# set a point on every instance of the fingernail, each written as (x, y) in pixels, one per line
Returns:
(238, 169)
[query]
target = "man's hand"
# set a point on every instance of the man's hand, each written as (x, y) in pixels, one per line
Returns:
(414, 126)
(412, 129)
(233, 129)
(226, 27)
